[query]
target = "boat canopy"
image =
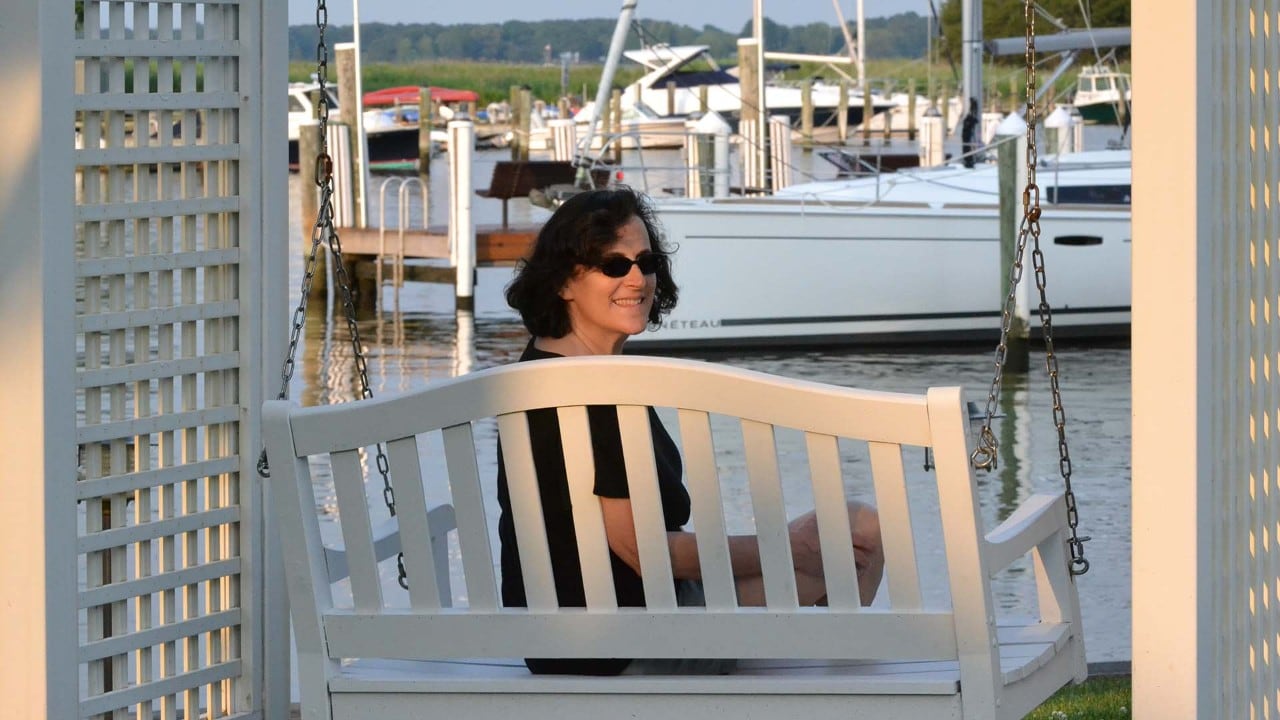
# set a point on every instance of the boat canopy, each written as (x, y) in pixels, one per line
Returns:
(665, 57)
(410, 94)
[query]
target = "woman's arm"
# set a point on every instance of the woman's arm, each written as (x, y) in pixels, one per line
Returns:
(620, 529)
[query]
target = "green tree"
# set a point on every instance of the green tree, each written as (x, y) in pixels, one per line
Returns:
(1005, 18)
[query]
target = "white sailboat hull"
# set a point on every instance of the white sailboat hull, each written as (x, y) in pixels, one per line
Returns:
(791, 272)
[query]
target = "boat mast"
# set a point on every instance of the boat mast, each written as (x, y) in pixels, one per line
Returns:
(862, 53)
(762, 116)
(606, 84)
(856, 54)
(971, 44)
(362, 192)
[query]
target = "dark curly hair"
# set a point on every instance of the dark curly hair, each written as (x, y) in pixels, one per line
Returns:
(578, 234)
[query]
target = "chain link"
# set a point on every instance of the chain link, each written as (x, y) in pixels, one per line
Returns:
(324, 232)
(985, 456)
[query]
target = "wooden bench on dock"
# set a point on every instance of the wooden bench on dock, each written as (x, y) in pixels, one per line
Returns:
(934, 645)
(516, 179)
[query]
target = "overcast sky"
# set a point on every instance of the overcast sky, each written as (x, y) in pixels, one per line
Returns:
(725, 14)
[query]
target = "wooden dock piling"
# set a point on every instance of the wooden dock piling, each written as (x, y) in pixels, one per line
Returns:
(348, 114)
(426, 116)
(911, 110)
(867, 110)
(806, 112)
(842, 110)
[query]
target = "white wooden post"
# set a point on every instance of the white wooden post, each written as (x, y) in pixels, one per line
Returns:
(266, 328)
(462, 227)
(37, 405)
(780, 152)
(1205, 336)
(564, 139)
(931, 151)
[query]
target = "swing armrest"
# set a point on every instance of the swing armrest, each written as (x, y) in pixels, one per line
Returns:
(386, 540)
(1039, 518)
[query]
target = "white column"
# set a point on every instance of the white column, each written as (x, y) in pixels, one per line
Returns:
(38, 620)
(265, 327)
(462, 227)
(1175, 668)
(564, 139)
(780, 152)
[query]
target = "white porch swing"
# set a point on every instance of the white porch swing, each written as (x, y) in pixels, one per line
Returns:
(906, 656)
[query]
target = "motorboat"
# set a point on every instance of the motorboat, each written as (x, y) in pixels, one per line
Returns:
(391, 132)
(911, 257)
(671, 87)
(1104, 95)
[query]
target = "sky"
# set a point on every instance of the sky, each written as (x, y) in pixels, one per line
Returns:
(725, 14)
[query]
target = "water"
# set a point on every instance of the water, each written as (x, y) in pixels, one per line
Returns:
(415, 339)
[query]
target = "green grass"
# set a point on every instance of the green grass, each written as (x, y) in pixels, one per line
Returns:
(492, 81)
(1104, 698)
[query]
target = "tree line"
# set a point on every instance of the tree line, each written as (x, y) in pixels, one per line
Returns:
(905, 35)
(587, 41)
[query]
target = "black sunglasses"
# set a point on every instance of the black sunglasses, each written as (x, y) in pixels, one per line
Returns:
(616, 266)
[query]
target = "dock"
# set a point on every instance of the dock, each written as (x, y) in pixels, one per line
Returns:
(496, 245)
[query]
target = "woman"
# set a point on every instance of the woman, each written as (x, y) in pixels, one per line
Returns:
(598, 274)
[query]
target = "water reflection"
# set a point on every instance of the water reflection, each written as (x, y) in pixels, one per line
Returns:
(1015, 440)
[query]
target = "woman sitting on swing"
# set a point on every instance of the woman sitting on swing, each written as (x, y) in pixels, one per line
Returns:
(598, 274)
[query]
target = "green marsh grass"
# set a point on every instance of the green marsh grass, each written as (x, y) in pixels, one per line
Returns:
(1101, 698)
(493, 81)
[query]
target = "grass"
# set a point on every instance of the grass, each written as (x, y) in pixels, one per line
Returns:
(1102, 698)
(493, 81)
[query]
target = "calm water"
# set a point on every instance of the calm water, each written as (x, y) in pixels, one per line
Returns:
(415, 338)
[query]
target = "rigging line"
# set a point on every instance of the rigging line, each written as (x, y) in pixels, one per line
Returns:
(1088, 27)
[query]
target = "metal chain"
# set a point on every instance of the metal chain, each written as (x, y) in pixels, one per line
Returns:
(986, 454)
(324, 231)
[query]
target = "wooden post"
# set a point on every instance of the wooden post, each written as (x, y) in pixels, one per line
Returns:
(425, 116)
(946, 113)
(513, 99)
(842, 112)
(866, 116)
(605, 120)
(309, 204)
(525, 117)
(562, 108)
(704, 103)
(755, 150)
(887, 116)
(346, 59)
(911, 110)
(615, 115)
(671, 97)
(806, 111)
(1014, 87)
(1009, 156)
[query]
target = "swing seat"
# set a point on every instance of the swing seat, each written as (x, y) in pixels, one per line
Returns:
(933, 645)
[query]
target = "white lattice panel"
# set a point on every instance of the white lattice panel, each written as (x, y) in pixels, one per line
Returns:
(1246, 320)
(166, 116)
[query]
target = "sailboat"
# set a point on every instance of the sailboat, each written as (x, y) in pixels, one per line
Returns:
(672, 88)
